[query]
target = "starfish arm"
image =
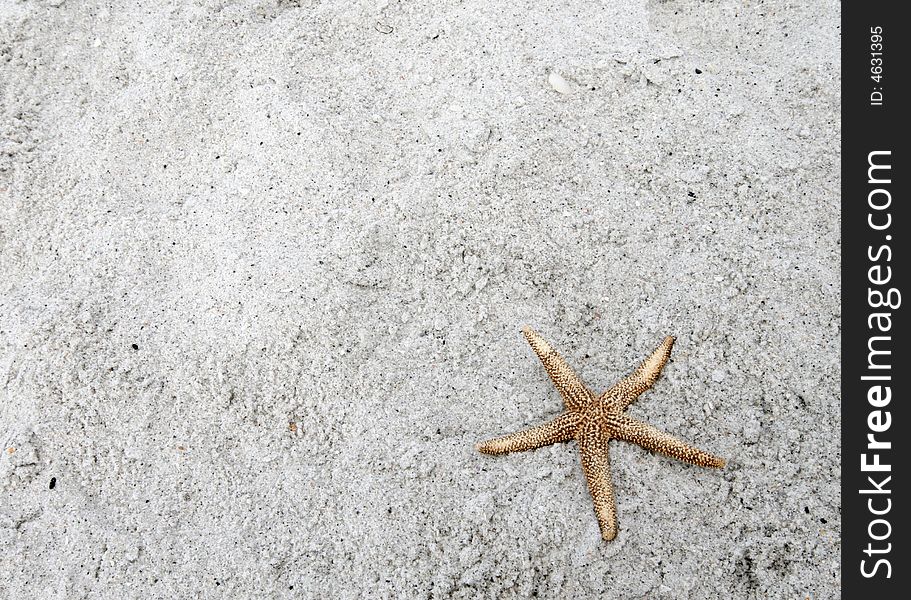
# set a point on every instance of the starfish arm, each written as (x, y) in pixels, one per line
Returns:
(560, 429)
(650, 438)
(596, 466)
(645, 375)
(575, 394)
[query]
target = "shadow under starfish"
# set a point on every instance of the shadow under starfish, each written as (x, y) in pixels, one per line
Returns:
(592, 421)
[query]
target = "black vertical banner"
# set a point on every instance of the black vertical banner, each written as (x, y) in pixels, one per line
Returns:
(876, 374)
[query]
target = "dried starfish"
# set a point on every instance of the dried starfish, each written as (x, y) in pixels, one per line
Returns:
(595, 420)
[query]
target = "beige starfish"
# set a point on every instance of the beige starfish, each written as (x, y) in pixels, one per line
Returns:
(595, 420)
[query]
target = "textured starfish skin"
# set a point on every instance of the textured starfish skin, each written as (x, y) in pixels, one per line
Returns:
(592, 421)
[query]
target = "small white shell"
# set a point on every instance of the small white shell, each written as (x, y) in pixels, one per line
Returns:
(558, 83)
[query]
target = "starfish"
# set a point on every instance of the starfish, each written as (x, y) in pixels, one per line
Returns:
(593, 421)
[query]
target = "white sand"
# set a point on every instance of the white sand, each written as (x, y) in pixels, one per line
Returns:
(296, 217)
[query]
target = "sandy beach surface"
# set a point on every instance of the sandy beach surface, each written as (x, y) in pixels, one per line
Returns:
(264, 265)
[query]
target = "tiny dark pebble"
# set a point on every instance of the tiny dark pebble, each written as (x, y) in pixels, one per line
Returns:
(822, 520)
(698, 71)
(134, 346)
(52, 484)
